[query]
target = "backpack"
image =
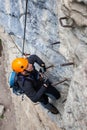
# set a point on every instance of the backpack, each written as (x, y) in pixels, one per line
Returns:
(14, 85)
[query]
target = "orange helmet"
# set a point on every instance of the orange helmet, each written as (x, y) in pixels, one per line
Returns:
(19, 64)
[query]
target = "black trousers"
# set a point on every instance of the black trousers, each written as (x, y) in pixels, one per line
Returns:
(51, 92)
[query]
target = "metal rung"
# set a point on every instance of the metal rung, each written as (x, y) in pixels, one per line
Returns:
(55, 43)
(66, 25)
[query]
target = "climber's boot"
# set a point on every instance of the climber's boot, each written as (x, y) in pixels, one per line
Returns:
(51, 108)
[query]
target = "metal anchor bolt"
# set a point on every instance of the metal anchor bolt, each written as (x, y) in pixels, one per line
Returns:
(67, 64)
(66, 25)
(55, 43)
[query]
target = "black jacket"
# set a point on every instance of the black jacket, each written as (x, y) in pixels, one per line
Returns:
(32, 86)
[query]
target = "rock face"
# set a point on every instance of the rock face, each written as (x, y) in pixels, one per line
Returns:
(74, 46)
(43, 29)
(75, 115)
(74, 8)
(1, 110)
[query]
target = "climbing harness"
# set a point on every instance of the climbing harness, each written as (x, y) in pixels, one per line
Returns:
(25, 27)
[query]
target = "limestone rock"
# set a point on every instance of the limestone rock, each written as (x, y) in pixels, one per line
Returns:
(76, 108)
(1, 110)
(76, 10)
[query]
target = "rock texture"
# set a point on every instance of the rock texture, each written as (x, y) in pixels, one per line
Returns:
(74, 8)
(74, 46)
(75, 115)
(7, 113)
(43, 29)
(1, 110)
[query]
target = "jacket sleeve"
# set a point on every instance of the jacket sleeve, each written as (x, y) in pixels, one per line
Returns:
(31, 93)
(34, 58)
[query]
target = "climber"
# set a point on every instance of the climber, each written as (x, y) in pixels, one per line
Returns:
(37, 88)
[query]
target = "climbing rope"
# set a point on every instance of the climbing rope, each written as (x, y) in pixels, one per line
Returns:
(24, 35)
(25, 27)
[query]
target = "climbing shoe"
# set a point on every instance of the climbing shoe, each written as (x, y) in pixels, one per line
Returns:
(53, 109)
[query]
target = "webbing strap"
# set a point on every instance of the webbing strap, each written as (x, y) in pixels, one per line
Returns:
(25, 27)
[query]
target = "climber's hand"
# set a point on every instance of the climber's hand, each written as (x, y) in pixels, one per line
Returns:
(43, 68)
(45, 85)
(47, 82)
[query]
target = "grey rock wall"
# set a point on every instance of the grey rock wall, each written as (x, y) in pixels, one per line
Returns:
(74, 47)
(74, 8)
(75, 116)
(43, 29)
